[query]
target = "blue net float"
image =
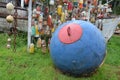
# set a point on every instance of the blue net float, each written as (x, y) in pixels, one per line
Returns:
(77, 47)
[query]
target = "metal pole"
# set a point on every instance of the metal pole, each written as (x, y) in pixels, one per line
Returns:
(29, 22)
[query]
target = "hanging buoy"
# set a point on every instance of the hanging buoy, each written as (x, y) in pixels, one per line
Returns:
(59, 9)
(92, 20)
(33, 30)
(9, 40)
(43, 43)
(52, 2)
(10, 6)
(53, 29)
(70, 6)
(9, 18)
(81, 4)
(49, 21)
(8, 46)
(36, 31)
(39, 42)
(31, 49)
(75, 3)
(38, 9)
(46, 10)
(40, 18)
(63, 17)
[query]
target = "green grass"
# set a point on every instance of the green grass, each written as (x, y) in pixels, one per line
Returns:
(38, 66)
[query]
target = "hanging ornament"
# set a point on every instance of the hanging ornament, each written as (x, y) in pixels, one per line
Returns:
(9, 18)
(10, 6)
(8, 43)
(37, 31)
(40, 19)
(33, 30)
(52, 2)
(9, 40)
(38, 9)
(43, 43)
(75, 2)
(70, 6)
(34, 13)
(66, 14)
(49, 21)
(31, 49)
(59, 9)
(81, 4)
(39, 42)
(53, 29)
(8, 46)
(63, 17)
(46, 10)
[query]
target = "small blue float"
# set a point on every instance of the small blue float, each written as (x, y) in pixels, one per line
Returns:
(77, 47)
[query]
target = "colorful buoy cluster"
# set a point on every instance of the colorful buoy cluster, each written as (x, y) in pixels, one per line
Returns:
(80, 51)
(46, 18)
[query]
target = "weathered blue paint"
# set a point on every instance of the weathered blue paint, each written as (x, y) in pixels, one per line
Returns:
(82, 56)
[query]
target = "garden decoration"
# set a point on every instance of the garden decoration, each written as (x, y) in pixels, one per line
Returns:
(10, 6)
(49, 14)
(10, 19)
(39, 43)
(8, 43)
(31, 49)
(77, 47)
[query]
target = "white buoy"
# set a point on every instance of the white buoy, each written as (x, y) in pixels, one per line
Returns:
(10, 6)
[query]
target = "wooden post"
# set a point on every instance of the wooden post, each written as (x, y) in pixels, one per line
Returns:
(29, 23)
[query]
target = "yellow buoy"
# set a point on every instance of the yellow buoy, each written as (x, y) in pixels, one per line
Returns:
(36, 31)
(59, 9)
(63, 17)
(31, 49)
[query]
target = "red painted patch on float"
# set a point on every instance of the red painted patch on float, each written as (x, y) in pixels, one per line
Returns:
(70, 33)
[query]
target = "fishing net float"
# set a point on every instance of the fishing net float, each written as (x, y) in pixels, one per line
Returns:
(77, 47)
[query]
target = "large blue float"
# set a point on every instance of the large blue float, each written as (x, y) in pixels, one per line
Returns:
(77, 47)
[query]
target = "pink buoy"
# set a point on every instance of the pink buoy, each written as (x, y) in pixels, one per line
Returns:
(70, 33)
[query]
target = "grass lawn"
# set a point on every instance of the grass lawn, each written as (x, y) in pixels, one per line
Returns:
(38, 66)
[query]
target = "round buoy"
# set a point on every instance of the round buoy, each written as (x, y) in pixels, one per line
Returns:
(77, 47)
(9, 19)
